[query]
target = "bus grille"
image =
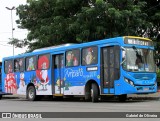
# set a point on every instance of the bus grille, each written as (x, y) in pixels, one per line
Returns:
(144, 76)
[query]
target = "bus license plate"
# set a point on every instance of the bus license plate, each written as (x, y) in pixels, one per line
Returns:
(146, 89)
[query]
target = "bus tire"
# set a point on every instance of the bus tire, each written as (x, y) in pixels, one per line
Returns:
(31, 93)
(123, 98)
(88, 96)
(0, 97)
(94, 92)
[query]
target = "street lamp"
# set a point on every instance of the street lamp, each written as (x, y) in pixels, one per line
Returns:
(13, 8)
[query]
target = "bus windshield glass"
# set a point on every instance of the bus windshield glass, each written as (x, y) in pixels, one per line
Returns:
(138, 60)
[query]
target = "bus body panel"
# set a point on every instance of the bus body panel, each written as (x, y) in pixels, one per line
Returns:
(77, 77)
(17, 82)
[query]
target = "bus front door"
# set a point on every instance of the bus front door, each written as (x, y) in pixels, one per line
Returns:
(110, 68)
(57, 74)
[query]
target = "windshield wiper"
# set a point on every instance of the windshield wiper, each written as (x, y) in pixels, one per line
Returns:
(123, 61)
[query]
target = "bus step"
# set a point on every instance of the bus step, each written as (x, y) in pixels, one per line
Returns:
(58, 95)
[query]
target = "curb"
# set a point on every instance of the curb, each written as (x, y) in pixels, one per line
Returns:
(144, 98)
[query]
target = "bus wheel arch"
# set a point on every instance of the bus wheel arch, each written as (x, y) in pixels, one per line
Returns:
(92, 91)
(31, 92)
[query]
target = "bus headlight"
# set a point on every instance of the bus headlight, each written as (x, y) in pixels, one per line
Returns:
(126, 80)
(129, 81)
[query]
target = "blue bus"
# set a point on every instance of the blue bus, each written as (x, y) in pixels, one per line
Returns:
(116, 66)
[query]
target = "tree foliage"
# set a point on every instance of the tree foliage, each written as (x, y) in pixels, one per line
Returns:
(153, 11)
(53, 22)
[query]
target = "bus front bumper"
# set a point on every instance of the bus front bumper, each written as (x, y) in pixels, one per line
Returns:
(140, 89)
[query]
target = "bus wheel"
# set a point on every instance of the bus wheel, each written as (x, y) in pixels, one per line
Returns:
(0, 97)
(94, 93)
(122, 98)
(31, 93)
(88, 96)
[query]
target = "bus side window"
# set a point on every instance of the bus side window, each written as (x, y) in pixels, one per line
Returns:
(90, 55)
(31, 63)
(21, 64)
(56, 63)
(8, 66)
(72, 57)
(43, 62)
(16, 65)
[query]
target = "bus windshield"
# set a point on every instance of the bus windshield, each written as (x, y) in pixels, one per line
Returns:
(138, 60)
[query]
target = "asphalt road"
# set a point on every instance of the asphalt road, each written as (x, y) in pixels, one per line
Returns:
(14, 104)
(21, 104)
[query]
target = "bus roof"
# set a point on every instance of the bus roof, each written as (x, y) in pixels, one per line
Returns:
(73, 46)
(51, 47)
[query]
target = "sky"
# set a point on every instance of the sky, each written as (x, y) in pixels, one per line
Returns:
(6, 28)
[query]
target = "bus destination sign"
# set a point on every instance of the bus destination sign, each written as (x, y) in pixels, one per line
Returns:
(138, 41)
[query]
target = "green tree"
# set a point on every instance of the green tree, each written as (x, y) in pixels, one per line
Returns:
(111, 18)
(153, 11)
(53, 22)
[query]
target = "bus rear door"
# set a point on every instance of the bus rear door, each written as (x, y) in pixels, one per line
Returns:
(58, 74)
